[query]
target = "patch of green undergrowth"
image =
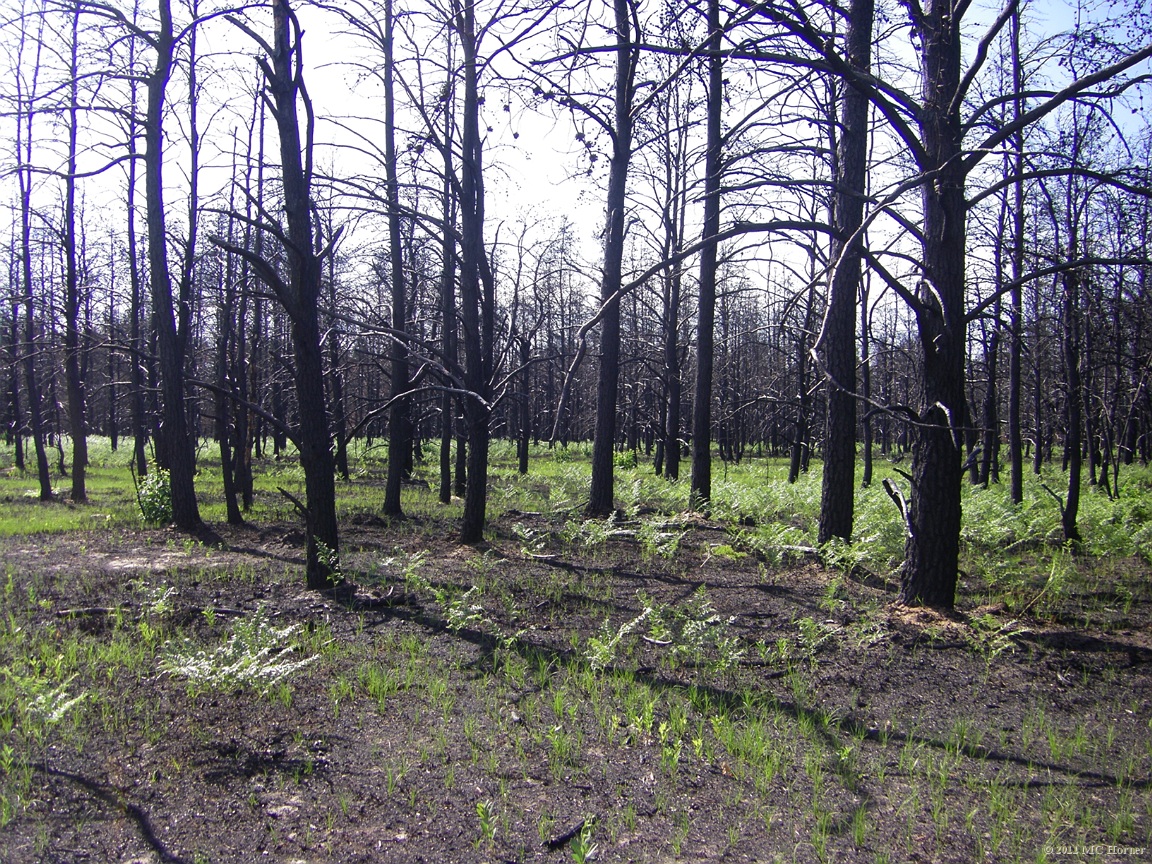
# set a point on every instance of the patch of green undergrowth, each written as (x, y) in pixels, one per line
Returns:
(257, 654)
(154, 496)
(692, 632)
(658, 538)
(600, 650)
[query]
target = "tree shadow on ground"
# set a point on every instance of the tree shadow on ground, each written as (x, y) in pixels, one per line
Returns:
(116, 801)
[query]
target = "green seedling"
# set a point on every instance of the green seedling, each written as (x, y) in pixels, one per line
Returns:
(583, 849)
(484, 810)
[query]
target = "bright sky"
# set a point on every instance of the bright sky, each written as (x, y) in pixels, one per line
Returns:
(536, 176)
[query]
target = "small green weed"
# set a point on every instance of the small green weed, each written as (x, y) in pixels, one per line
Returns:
(485, 812)
(583, 849)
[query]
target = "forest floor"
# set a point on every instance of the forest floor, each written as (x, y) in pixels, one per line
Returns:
(639, 695)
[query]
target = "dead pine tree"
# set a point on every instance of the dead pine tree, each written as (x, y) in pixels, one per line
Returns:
(299, 293)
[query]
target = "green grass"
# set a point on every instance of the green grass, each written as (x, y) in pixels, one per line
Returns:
(783, 752)
(669, 679)
(754, 491)
(1010, 554)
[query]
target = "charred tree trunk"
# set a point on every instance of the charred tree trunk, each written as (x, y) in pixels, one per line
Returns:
(448, 331)
(866, 380)
(990, 411)
(15, 421)
(300, 295)
(113, 419)
(251, 354)
(31, 384)
(225, 327)
(797, 454)
(170, 341)
(1015, 302)
(838, 338)
(74, 381)
(400, 414)
(223, 406)
(138, 374)
(701, 484)
(24, 127)
(1037, 390)
(524, 388)
(672, 377)
(476, 314)
(336, 381)
(285, 82)
(1074, 440)
(136, 343)
(674, 145)
(933, 547)
(601, 493)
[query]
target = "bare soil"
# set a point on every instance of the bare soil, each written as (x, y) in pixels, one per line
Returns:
(899, 735)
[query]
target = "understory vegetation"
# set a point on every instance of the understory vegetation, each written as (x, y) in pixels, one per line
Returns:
(654, 686)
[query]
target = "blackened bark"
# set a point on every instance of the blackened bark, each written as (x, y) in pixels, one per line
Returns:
(137, 374)
(242, 444)
(300, 295)
(673, 384)
(136, 300)
(448, 331)
(971, 433)
(796, 461)
(223, 403)
(933, 547)
(113, 421)
(476, 315)
(700, 492)
(460, 476)
(336, 381)
(303, 294)
(838, 341)
(674, 144)
(223, 409)
(250, 350)
(1087, 388)
(1073, 441)
(31, 384)
(1038, 394)
(176, 440)
(1015, 303)
(74, 381)
(448, 325)
(601, 493)
(990, 411)
(866, 381)
(400, 414)
(15, 434)
(524, 385)
(277, 348)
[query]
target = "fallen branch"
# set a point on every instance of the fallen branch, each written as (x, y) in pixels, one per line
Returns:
(104, 611)
(799, 550)
(569, 835)
(1059, 501)
(296, 502)
(902, 505)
